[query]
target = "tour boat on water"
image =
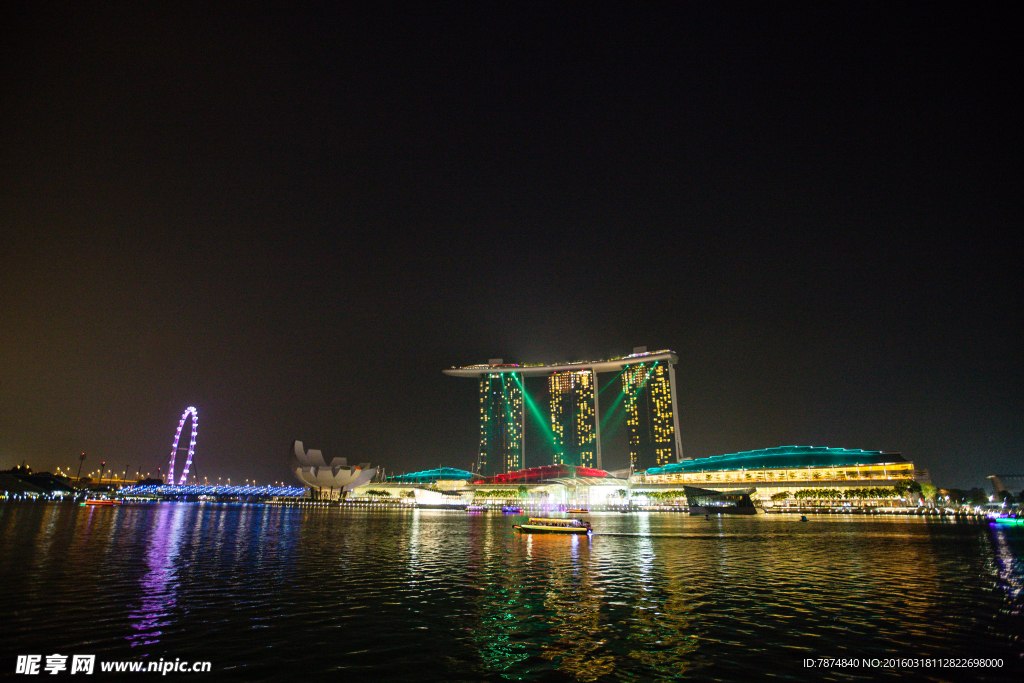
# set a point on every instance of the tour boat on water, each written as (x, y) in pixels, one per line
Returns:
(578, 511)
(476, 508)
(100, 501)
(710, 502)
(555, 526)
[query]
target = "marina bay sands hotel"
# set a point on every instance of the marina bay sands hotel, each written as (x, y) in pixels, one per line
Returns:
(648, 396)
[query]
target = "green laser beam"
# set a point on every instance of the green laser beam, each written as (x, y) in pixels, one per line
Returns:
(611, 431)
(615, 406)
(540, 418)
(612, 409)
(611, 381)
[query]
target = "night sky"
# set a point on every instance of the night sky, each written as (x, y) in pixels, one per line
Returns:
(295, 221)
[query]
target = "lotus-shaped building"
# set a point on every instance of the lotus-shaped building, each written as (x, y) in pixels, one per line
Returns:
(314, 471)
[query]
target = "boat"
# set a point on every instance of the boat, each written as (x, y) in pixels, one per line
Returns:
(578, 511)
(475, 508)
(100, 501)
(710, 502)
(555, 526)
(1009, 518)
(512, 510)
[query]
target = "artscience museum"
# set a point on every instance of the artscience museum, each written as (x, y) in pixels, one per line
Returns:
(327, 479)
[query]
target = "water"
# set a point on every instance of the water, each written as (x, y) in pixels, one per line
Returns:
(273, 594)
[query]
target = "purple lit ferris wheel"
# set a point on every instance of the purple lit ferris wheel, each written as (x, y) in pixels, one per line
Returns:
(191, 446)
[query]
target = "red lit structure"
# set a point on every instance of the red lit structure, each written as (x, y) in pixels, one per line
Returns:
(535, 475)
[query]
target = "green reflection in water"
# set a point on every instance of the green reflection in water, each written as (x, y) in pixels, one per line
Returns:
(498, 633)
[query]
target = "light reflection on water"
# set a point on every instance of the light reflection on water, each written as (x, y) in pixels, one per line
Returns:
(158, 584)
(264, 592)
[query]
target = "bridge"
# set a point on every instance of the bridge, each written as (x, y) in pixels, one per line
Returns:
(212, 490)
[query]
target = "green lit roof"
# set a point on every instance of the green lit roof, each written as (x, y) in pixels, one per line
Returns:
(784, 456)
(438, 474)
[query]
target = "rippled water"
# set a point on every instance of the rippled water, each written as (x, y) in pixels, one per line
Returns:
(269, 593)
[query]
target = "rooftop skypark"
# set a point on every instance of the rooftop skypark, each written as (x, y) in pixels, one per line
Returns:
(497, 365)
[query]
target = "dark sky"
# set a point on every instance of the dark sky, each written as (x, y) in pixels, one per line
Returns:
(295, 221)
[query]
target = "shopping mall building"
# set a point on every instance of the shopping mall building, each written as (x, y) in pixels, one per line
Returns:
(786, 469)
(769, 471)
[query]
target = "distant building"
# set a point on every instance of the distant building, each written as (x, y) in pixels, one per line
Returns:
(573, 419)
(547, 486)
(756, 475)
(535, 475)
(21, 481)
(432, 476)
(649, 392)
(12, 486)
(1006, 483)
(501, 423)
(786, 469)
(324, 478)
(53, 486)
(651, 415)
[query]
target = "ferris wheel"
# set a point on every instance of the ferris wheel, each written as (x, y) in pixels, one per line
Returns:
(191, 410)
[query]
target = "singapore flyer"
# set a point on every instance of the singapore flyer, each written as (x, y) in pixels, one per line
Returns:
(191, 410)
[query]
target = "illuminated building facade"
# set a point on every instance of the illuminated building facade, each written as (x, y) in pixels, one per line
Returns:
(335, 475)
(575, 412)
(501, 424)
(432, 476)
(652, 418)
(573, 422)
(769, 477)
(786, 470)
